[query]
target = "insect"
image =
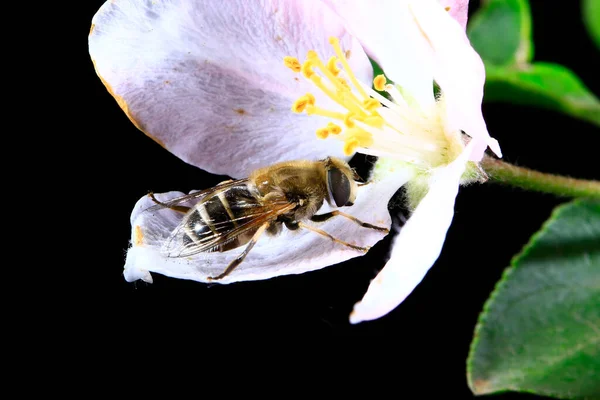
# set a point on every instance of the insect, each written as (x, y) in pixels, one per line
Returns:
(237, 212)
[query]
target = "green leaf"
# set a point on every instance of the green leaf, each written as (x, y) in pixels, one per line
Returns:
(591, 18)
(540, 329)
(500, 31)
(545, 85)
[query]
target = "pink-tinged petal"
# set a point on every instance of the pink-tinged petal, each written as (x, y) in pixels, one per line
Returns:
(458, 10)
(387, 31)
(291, 252)
(417, 246)
(458, 70)
(206, 79)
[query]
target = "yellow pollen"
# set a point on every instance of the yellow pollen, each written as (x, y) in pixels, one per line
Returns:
(332, 67)
(350, 146)
(292, 63)
(360, 117)
(300, 105)
(338, 51)
(322, 133)
(379, 82)
(362, 137)
(307, 69)
(312, 55)
(338, 96)
(348, 120)
(333, 128)
(371, 104)
(310, 98)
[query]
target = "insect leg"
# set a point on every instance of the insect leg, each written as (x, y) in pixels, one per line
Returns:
(323, 233)
(238, 260)
(326, 216)
(181, 209)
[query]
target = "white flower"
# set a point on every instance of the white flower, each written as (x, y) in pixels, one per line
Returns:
(206, 80)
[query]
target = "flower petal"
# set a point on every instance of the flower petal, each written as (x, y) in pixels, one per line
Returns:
(458, 70)
(417, 246)
(291, 252)
(458, 9)
(387, 31)
(206, 79)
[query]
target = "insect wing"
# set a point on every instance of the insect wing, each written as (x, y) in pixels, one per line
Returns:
(199, 195)
(220, 218)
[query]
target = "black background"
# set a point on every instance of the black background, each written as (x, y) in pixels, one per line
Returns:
(430, 332)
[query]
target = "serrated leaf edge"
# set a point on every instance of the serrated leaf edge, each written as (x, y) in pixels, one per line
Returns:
(558, 211)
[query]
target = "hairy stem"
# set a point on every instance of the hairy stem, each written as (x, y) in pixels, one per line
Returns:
(503, 172)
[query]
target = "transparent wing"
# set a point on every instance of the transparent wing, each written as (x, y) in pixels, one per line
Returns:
(222, 220)
(199, 195)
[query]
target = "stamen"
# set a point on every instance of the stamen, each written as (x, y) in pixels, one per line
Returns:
(346, 99)
(322, 133)
(339, 98)
(338, 51)
(374, 121)
(350, 146)
(362, 137)
(379, 82)
(348, 120)
(344, 84)
(371, 104)
(400, 130)
(292, 63)
(312, 55)
(300, 105)
(395, 94)
(334, 129)
(307, 69)
(330, 129)
(313, 110)
(332, 67)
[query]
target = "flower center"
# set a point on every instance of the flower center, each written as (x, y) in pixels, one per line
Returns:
(368, 122)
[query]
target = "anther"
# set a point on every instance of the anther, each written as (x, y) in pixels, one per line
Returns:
(343, 60)
(310, 98)
(322, 133)
(292, 63)
(350, 146)
(362, 137)
(300, 105)
(348, 120)
(307, 69)
(332, 67)
(334, 129)
(379, 82)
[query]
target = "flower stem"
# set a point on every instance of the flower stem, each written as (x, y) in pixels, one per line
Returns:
(525, 178)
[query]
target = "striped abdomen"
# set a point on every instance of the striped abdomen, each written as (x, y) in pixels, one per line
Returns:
(212, 223)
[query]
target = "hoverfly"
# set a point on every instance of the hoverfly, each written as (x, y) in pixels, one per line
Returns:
(237, 212)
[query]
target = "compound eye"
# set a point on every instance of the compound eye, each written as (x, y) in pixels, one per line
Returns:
(339, 187)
